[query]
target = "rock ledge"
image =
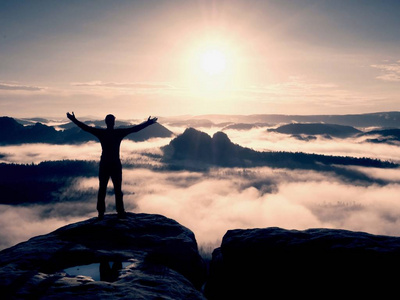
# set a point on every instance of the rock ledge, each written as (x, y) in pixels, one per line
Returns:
(164, 256)
(315, 263)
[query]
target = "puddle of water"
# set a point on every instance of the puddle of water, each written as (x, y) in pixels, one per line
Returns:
(104, 271)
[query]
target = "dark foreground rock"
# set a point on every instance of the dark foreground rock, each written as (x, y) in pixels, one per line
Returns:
(274, 263)
(163, 258)
(152, 257)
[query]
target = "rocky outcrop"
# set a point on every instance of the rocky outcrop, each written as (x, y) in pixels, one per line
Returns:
(196, 149)
(152, 257)
(274, 263)
(161, 261)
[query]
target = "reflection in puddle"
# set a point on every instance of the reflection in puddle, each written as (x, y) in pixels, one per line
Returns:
(104, 271)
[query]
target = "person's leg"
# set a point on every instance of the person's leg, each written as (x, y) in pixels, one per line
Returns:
(101, 197)
(116, 178)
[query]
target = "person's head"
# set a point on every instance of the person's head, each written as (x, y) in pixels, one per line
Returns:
(110, 121)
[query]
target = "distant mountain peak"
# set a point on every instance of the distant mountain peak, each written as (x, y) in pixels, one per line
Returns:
(8, 121)
(196, 148)
(317, 129)
(221, 136)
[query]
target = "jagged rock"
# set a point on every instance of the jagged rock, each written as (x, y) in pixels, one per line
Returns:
(162, 255)
(196, 149)
(315, 263)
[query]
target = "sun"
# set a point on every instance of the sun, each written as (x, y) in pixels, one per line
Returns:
(211, 68)
(213, 62)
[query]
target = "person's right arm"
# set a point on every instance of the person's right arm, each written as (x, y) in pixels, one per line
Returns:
(80, 124)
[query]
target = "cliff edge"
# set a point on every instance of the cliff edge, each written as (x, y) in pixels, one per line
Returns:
(144, 256)
(148, 256)
(316, 263)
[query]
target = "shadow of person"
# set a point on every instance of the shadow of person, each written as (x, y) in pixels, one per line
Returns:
(107, 273)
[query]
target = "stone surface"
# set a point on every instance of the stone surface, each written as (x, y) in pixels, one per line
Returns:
(315, 263)
(161, 261)
(164, 256)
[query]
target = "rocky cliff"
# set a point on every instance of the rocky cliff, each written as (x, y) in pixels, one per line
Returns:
(152, 257)
(141, 257)
(274, 263)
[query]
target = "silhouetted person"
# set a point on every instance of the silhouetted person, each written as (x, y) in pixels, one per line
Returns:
(110, 163)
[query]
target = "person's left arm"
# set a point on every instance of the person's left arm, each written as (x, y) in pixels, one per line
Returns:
(140, 126)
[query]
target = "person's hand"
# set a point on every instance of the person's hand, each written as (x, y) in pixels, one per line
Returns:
(71, 116)
(151, 120)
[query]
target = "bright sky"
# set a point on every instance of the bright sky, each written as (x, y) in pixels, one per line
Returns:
(156, 57)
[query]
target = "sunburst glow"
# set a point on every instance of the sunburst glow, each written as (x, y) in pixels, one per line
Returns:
(211, 67)
(213, 62)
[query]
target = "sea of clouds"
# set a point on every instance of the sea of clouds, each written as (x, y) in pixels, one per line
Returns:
(214, 201)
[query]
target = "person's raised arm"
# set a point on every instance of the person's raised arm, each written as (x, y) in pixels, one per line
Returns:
(80, 124)
(141, 126)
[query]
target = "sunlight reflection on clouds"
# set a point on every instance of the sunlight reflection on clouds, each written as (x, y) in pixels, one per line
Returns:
(215, 204)
(213, 201)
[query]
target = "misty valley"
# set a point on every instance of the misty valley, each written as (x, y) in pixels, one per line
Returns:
(211, 173)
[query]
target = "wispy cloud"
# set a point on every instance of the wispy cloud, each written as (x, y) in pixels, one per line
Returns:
(305, 95)
(125, 85)
(20, 223)
(296, 86)
(19, 87)
(299, 89)
(389, 71)
(36, 153)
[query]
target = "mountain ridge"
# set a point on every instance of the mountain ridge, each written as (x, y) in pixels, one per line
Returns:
(330, 130)
(196, 146)
(376, 119)
(12, 132)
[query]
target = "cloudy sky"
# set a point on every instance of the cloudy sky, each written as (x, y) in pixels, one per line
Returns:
(139, 58)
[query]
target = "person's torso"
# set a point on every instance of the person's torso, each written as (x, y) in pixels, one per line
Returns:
(110, 140)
